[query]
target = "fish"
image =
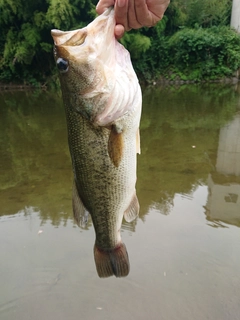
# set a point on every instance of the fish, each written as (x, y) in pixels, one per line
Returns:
(103, 102)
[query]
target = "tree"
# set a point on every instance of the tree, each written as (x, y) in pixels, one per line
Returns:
(25, 39)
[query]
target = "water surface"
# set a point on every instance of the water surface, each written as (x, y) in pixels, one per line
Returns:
(183, 248)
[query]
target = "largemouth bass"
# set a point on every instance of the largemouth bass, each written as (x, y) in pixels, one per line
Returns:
(102, 99)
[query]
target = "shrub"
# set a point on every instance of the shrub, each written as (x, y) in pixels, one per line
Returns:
(213, 52)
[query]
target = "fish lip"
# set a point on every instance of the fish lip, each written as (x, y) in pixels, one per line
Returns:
(61, 37)
(56, 32)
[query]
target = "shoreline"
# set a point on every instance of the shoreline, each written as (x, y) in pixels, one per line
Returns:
(233, 80)
(160, 81)
(15, 86)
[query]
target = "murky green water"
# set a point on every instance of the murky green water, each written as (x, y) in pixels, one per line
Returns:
(184, 247)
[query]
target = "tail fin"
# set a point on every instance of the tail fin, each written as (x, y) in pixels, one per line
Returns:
(112, 262)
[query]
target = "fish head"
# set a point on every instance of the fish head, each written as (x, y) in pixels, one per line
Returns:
(81, 55)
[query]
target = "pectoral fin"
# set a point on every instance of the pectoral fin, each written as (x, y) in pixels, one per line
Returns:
(133, 209)
(79, 212)
(115, 145)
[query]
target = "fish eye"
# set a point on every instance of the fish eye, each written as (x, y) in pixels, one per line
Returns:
(62, 65)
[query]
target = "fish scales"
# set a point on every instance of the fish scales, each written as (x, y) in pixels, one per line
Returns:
(114, 190)
(102, 100)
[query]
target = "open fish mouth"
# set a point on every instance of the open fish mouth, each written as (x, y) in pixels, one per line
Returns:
(103, 24)
(85, 45)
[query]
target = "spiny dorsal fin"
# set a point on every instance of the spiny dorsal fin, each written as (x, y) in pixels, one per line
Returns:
(79, 212)
(115, 145)
(133, 209)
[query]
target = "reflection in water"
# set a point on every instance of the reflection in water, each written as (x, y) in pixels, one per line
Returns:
(34, 159)
(228, 157)
(224, 185)
(51, 275)
(179, 141)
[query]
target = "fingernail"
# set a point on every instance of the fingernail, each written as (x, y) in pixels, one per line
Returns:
(121, 3)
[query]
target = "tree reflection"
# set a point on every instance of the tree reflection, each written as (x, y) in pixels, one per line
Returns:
(180, 131)
(179, 137)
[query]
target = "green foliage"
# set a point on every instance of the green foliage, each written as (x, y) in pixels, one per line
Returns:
(177, 16)
(205, 53)
(25, 40)
(191, 42)
(208, 13)
(136, 43)
(182, 50)
(149, 53)
(61, 12)
(204, 13)
(154, 61)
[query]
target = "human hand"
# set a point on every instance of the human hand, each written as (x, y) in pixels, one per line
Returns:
(134, 14)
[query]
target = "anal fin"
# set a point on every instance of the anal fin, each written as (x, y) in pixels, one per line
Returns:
(133, 209)
(112, 262)
(115, 145)
(79, 212)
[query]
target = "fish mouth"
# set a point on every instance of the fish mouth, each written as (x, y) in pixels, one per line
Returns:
(96, 27)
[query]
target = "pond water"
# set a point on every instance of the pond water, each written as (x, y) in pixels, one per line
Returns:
(183, 248)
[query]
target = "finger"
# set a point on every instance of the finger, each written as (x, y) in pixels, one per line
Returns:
(132, 18)
(121, 13)
(158, 8)
(143, 15)
(103, 5)
(155, 11)
(119, 31)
